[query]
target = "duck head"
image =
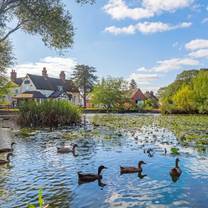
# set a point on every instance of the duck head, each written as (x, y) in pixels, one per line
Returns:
(102, 167)
(13, 143)
(140, 163)
(74, 146)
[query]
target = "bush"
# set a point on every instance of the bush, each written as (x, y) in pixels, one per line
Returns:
(49, 113)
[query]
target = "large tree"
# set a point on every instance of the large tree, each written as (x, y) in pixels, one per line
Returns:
(84, 77)
(133, 84)
(111, 94)
(46, 18)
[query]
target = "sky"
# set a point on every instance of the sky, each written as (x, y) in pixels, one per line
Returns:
(150, 41)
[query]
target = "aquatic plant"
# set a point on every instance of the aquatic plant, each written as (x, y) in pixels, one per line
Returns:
(174, 151)
(40, 201)
(49, 113)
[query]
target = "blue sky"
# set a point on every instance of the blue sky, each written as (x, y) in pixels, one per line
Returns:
(148, 40)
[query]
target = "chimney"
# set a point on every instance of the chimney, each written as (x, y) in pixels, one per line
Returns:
(44, 72)
(13, 75)
(62, 76)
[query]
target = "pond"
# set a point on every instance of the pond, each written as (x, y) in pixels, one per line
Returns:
(37, 165)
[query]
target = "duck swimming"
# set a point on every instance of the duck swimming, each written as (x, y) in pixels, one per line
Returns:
(67, 149)
(3, 162)
(90, 177)
(176, 171)
(4, 150)
(124, 170)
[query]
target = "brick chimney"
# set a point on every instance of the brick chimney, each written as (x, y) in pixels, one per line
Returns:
(13, 75)
(62, 76)
(44, 72)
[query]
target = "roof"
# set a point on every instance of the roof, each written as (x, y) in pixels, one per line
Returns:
(57, 94)
(30, 94)
(150, 95)
(49, 83)
(18, 81)
(137, 94)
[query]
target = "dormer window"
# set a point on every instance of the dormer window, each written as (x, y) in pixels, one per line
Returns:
(27, 81)
(60, 88)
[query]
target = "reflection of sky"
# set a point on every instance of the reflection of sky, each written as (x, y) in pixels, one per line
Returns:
(36, 164)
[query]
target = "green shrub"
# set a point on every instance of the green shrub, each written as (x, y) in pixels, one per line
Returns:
(48, 113)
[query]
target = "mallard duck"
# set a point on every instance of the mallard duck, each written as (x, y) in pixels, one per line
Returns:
(3, 162)
(89, 177)
(67, 149)
(132, 169)
(176, 171)
(4, 150)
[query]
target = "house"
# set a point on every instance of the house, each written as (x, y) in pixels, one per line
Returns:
(150, 95)
(38, 87)
(137, 96)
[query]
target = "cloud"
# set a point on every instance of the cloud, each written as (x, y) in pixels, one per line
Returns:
(118, 9)
(197, 44)
(205, 20)
(53, 64)
(167, 65)
(144, 79)
(146, 28)
(202, 53)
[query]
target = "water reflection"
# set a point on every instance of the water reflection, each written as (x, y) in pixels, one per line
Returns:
(36, 164)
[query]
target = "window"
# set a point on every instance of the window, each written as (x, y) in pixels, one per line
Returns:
(27, 81)
(60, 88)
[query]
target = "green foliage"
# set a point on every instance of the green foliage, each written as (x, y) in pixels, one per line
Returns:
(183, 99)
(133, 84)
(174, 151)
(40, 200)
(84, 77)
(187, 94)
(5, 58)
(49, 113)
(110, 94)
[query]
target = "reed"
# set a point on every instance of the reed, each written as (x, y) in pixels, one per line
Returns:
(48, 113)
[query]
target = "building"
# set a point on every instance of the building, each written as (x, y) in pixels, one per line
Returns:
(38, 88)
(137, 96)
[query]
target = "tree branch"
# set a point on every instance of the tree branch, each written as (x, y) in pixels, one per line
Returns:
(11, 31)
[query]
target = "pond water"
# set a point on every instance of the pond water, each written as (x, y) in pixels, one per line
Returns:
(36, 164)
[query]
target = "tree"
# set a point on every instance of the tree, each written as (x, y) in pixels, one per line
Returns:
(200, 91)
(183, 99)
(47, 18)
(84, 77)
(133, 84)
(111, 94)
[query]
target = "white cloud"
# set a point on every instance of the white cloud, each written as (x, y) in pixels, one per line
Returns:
(165, 66)
(118, 9)
(205, 20)
(202, 53)
(197, 44)
(53, 64)
(146, 28)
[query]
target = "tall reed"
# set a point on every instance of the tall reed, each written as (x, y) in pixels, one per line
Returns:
(48, 113)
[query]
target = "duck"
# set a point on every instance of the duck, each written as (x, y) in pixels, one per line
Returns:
(175, 172)
(138, 169)
(4, 150)
(67, 149)
(90, 177)
(3, 162)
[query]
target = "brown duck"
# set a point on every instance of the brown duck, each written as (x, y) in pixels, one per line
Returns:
(67, 149)
(138, 169)
(3, 162)
(176, 171)
(4, 150)
(90, 177)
